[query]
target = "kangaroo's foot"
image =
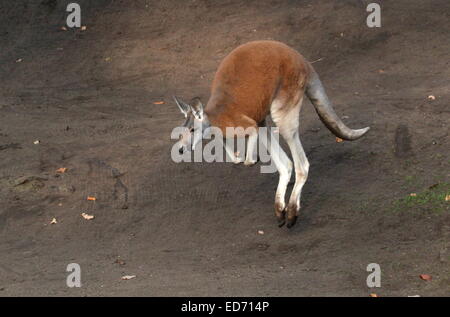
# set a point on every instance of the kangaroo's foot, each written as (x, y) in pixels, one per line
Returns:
(249, 162)
(237, 160)
(292, 214)
(280, 213)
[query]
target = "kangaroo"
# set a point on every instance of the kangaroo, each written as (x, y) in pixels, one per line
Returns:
(254, 80)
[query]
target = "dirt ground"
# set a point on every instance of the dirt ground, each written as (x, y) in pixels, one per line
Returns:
(191, 229)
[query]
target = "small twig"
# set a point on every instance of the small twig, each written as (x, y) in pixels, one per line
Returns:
(317, 60)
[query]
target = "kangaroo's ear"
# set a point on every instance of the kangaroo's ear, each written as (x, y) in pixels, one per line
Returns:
(184, 107)
(197, 108)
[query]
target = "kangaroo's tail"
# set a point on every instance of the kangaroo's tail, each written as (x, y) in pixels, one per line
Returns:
(324, 108)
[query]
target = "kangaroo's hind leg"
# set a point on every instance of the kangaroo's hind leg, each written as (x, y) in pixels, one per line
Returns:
(284, 167)
(288, 123)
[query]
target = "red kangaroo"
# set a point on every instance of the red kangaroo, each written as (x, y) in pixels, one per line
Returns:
(257, 79)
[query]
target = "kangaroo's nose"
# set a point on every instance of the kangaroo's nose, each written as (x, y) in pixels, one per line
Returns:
(181, 150)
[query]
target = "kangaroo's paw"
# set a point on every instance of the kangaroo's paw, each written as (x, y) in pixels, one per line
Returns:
(280, 213)
(237, 160)
(249, 162)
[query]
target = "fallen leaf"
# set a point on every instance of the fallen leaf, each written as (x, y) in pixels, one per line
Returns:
(413, 195)
(53, 221)
(381, 71)
(61, 170)
(107, 59)
(261, 232)
(426, 277)
(63, 28)
(447, 198)
(128, 277)
(373, 295)
(37, 142)
(83, 28)
(120, 262)
(431, 97)
(86, 216)
(19, 60)
(158, 103)
(91, 198)
(339, 140)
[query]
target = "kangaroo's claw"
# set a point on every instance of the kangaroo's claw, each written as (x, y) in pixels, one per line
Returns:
(291, 222)
(281, 219)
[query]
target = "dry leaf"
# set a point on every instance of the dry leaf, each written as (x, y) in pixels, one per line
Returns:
(426, 277)
(158, 103)
(37, 142)
(431, 97)
(19, 60)
(413, 195)
(91, 198)
(83, 28)
(447, 198)
(61, 170)
(107, 59)
(86, 216)
(373, 295)
(120, 262)
(53, 221)
(260, 232)
(128, 277)
(339, 140)
(63, 28)
(381, 71)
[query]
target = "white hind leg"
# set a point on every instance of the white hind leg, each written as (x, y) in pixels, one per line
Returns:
(301, 174)
(288, 123)
(284, 167)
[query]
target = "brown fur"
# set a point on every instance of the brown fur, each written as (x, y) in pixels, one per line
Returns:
(250, 78)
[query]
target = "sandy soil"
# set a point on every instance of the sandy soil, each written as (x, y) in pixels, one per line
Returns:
(192, 229)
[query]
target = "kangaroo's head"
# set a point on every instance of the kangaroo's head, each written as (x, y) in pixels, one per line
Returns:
(195, 123)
